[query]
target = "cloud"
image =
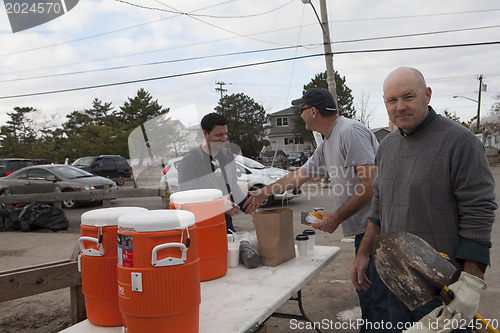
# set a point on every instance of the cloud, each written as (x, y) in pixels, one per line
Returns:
(99, 34)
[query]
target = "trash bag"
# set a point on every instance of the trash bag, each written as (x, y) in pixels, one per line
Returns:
(249, 254)
(37, 216)
(9, 218)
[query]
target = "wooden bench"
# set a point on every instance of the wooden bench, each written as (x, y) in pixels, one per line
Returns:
(34, 280)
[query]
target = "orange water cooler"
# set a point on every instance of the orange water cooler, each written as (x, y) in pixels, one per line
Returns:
(97, 263)
(159, 272)
(208, 208)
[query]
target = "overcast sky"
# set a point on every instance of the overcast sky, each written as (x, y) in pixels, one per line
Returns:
(103, 42)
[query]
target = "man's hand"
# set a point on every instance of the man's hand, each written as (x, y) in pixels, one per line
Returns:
(467, 292)
(329, 223)
(358, 270)
(256, 198)
(230, 207)
(438, 320)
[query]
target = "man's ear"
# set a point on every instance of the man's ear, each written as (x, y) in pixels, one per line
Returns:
(314, 112)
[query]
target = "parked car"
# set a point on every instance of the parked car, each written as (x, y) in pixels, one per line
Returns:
(9, 165)
(110, 166)
(275, 158)
(297, 158)
(252, 175)
(52, 178)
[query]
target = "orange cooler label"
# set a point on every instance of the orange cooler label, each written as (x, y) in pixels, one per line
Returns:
(125, 250)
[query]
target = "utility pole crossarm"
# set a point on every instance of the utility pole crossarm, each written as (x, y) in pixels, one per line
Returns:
(222, 90)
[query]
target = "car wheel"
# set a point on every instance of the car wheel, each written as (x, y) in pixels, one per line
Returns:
(269, 200)
(119, 181)
(69, 204)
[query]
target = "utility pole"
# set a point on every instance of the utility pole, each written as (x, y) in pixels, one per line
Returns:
(480, 78)
(330, 72)
(222, 90)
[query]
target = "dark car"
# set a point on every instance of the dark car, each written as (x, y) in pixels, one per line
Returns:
(9, 165)
(52, 178)
(275, 158)
(110, 166)
(297, 158)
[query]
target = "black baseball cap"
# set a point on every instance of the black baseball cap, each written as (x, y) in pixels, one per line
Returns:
(320, 98)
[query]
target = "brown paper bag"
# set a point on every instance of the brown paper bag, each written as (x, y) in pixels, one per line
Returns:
(274, 229)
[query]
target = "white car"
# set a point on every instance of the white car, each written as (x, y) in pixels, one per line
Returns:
(252, 175)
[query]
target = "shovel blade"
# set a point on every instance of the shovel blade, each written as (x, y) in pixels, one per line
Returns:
(412, 269)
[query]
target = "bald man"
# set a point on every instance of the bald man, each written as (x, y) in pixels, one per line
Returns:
(434, 181)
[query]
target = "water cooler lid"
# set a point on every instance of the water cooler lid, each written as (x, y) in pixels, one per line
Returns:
(107, 216)
(196, 196)
(156, 220)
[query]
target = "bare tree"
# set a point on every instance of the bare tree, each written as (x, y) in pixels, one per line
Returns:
(363, 111)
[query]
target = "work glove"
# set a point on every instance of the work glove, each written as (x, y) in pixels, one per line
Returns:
(467, 292)
(436, 321)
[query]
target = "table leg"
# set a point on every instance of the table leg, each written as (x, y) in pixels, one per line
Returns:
(302, 316)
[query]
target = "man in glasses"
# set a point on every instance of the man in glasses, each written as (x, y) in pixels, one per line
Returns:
(211, 165)
(347, 157)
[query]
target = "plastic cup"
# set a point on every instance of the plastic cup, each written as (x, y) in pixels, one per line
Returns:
(233, 254)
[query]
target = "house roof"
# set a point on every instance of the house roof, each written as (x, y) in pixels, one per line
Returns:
(381, 129)
(285, 112)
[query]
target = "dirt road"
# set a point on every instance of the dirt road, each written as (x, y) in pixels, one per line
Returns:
(325, 298)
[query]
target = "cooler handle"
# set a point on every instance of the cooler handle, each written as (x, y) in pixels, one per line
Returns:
(91, 252)
(169, 261)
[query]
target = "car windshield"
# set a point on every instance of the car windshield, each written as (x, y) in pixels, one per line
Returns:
(270, 153)
(294, 155)
(83, 161)
(70, 172)
(249, 163)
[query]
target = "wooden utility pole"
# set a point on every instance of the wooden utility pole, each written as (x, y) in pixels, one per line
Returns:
(222, 90)
(480, 78)
(330, 72)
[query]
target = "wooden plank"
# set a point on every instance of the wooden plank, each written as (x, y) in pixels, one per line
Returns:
(77, 312)
(100, 195)
(58, 196)
(38, 280)
(34, 267)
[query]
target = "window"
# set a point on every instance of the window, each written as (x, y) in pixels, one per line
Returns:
(282, 121)
(38, 174)
(297, 141)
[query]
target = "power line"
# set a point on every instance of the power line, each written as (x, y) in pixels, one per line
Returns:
(233, 53)
(160, 77)
(178, 12)
(108, 32)
(167, 18)
(156, 63)
(244, 66)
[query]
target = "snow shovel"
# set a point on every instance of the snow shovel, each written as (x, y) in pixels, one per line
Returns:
(413, 270)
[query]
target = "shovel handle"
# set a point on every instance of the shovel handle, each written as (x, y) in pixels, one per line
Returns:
(488, 327)
(447, 296)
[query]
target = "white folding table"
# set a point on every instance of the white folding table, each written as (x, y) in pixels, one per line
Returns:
(244, 298)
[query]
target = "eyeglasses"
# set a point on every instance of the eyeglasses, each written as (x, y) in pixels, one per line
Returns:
(303, 109)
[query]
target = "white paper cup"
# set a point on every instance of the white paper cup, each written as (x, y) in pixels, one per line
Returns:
(233, 254)
(230, 238)
(312, 238)
(302, 241)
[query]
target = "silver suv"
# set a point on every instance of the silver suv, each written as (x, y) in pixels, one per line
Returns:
(275, 158)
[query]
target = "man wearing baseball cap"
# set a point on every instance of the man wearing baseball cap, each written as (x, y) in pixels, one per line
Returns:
(347, 157)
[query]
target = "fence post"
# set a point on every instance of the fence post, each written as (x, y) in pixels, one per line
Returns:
(77, 300)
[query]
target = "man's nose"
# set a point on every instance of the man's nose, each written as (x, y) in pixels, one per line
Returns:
(401, 105)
